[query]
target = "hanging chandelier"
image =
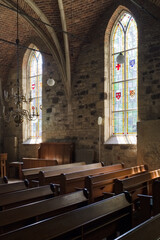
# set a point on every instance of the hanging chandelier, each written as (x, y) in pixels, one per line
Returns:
(18, 113)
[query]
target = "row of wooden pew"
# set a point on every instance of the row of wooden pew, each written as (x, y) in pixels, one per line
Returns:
(38, 213)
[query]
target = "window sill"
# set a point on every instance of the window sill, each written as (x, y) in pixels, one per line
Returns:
(33, 141)
(117, 140)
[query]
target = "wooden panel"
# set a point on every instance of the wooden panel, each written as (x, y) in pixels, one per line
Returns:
(62, 152)
(37, 162)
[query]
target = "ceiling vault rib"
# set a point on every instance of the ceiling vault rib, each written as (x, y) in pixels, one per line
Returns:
(66, 46)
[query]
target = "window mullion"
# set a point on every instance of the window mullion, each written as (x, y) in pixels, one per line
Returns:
(125, 101)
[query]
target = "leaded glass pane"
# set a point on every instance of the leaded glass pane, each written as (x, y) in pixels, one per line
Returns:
(118, 97)
(118, 123)
(33, 87)
(124, 20)
(131, 94)
(35, 65)
(131, 39)
(131, 64)
(118, 36)
(117, 70)
(132, 122)
(40, 64)
(124, 76)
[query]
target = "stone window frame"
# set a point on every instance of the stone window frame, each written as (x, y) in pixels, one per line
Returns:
(108, 138)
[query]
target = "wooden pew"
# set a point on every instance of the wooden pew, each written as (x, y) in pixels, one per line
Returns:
(137, 184)
(150, 204)
(32, 173)
(31, 213)
(69, 182)
(55, 176)
(141, 184)
(104, 183)
(3, 180)
(95, 221)
(13, 187)
(13, 199)
(148, 230)
(38, 162)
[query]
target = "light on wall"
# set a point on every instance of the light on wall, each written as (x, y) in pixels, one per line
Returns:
(50, 80)
(120, 58)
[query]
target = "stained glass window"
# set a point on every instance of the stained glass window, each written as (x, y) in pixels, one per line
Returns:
(35, 79)
(124, 76)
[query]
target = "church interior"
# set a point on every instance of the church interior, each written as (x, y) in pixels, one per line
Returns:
(79, 119)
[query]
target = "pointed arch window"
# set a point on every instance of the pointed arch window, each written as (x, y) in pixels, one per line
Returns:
(124, 76)
(32, 130)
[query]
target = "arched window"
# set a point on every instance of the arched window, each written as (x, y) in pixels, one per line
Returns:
(124, 75)
(32, 130)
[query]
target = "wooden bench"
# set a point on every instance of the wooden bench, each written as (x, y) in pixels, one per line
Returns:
(38, 162)
(32, 173)
(150, 204)
(25, 196)
(95, 221)
(141, 184)
(37, 211)
(55, 176)
(137, 184)
(3, 180)
(148, 230)
(104, 183)
(72, 181)
(13, 187)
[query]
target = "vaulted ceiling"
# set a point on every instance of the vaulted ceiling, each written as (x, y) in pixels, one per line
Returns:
(63, 26)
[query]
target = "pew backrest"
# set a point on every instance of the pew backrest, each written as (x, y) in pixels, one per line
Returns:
(42, 209)
(135, 182)
(38, 162)
(69, 182)
(32, 173)
(104, 183)
(18, 198)
(12, 187)
(107, 215)
(46, 177)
